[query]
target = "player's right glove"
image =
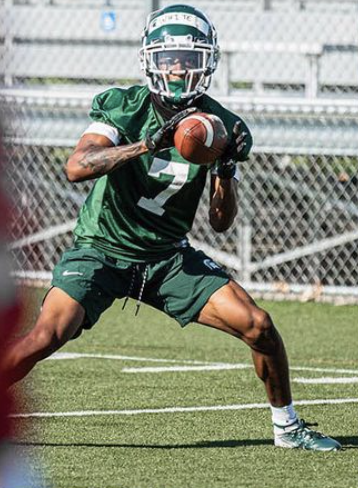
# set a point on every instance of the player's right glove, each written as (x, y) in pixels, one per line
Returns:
(163, 138)
(234, 152)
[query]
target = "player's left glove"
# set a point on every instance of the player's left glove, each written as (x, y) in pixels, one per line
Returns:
(163, 138)
(234, 152)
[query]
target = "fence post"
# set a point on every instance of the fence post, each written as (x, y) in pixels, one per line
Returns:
(225, 74)
(246, 215)
(154, 5)
(299, 4)
(267, 4)
(245, 249)
(8, 44)
(312, 82)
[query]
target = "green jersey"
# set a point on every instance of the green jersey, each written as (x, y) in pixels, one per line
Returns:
(143, 210)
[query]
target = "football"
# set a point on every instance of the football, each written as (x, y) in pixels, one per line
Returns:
(201, 138)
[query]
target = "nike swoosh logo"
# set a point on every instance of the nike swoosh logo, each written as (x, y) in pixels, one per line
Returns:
(71, 273)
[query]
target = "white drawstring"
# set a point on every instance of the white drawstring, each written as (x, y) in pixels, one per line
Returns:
(131, 287)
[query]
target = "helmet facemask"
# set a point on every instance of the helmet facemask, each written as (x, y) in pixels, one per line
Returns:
(179, 67)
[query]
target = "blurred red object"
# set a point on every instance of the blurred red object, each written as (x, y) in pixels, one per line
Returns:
(9, 305)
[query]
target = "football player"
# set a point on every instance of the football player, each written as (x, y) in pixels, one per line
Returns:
(130, 239)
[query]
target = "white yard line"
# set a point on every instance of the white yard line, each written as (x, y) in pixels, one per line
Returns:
(179, 369)
(326, 381)
(59, 356)
(201, 365)
(248, 406)
(218, 367)
(324, 370)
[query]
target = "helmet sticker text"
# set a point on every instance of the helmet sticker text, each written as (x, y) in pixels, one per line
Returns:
(179, 18)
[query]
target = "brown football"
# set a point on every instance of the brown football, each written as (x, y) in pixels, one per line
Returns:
(201, 138)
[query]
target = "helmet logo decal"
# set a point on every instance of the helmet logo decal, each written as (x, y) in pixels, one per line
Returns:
(179, 18)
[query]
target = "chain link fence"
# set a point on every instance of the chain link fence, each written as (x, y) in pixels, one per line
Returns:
(289, 67)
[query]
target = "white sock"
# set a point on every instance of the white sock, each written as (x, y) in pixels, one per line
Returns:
(284, 418)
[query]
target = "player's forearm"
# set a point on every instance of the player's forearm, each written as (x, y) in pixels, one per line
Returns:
(223, 207)
(95, 161)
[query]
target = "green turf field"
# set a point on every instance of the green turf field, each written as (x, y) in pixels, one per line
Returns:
(141, 433)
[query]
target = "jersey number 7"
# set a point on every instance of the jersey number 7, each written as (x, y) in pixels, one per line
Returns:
(159, 166)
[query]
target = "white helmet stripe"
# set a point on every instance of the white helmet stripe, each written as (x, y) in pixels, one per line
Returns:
(179, 18)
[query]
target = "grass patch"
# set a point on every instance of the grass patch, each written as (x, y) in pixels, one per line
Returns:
(218, 449)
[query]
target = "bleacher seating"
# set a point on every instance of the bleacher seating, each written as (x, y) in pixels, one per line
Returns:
(281, 44)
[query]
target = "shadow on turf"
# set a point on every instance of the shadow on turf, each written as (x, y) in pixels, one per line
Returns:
(347, 443)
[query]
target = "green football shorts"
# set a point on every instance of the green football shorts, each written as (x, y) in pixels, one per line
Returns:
(179, 285)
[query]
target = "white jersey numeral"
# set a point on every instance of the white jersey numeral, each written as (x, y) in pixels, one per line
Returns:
(159, 166)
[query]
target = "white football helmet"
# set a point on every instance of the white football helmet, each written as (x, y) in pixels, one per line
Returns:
(179, 43)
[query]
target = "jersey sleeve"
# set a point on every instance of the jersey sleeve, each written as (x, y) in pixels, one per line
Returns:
(104, 105)
(104, 130)
(125, 109)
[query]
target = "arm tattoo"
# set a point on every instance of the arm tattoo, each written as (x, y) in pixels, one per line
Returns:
(100, 161)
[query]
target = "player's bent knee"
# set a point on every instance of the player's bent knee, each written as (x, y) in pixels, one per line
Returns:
(262, 335)
(46, 340)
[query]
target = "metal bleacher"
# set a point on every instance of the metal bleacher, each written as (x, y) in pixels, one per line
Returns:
(262, 48)
(279, 59)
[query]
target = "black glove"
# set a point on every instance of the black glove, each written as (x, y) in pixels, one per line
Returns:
(163, 138)
(234, 152)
